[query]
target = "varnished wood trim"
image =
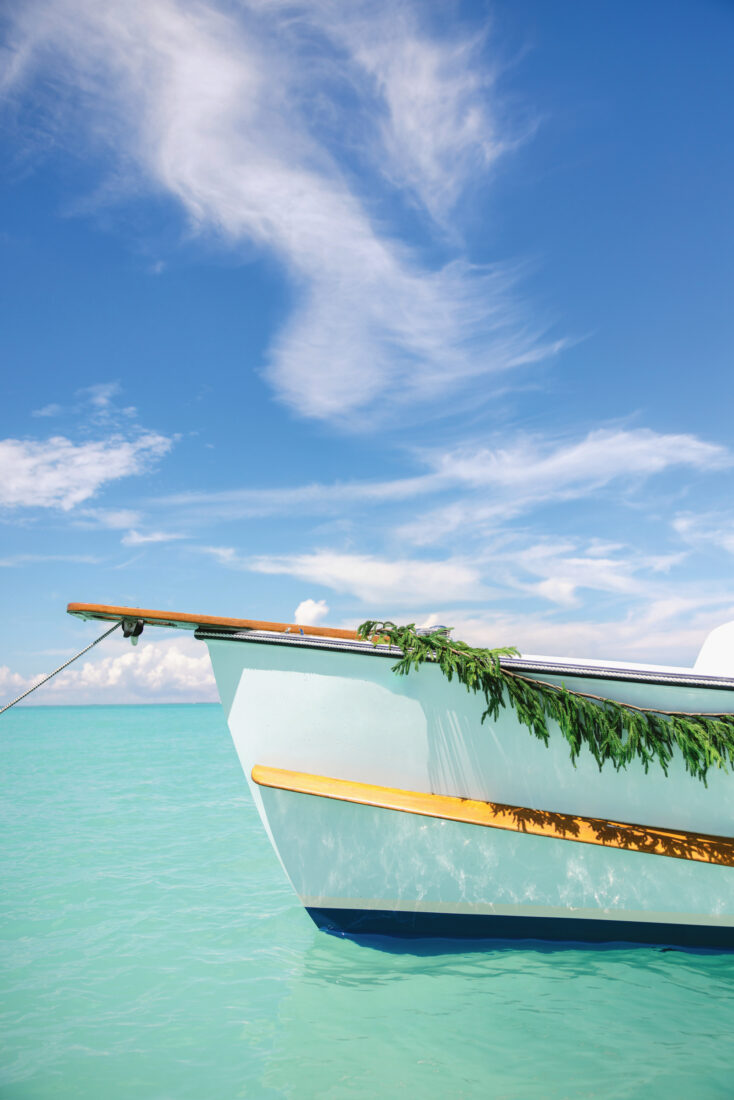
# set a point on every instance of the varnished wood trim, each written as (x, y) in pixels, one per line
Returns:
(520, 819)
(186, 621)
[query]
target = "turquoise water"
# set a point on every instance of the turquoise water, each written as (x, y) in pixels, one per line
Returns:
(151, 948)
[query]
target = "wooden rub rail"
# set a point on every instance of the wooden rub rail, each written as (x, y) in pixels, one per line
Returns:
(585, 830)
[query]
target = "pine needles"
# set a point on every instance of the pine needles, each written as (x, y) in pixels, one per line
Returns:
(614, 733)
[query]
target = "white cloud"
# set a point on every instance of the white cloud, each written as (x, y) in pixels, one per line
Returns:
(602, 455)
(567, 567)
(666, 632)
(512, 566)
(395, 582)
(311, 612)
(100, 395)
(706, 529)
(113, 518)
(13, 684)
(215, 107)
(558, 590)
(490, 486)
(437, 129)
(495, 483)
(135, 538)
(225, 555)
(536, 471)
(56, 473)
(434, 125)
(175, 670)
(32, 559)
(94, 404)
(314, 499)
(379, 581)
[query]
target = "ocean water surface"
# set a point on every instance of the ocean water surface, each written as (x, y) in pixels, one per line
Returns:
(151, 948)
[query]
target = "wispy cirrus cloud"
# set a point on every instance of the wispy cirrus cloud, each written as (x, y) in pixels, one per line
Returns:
(438, 131)
(528, 591)
(434, 122)
(129, 520)
(214, 106)
(316, 499)
(488, 484)
(702, 529)
(667, 629)
(501, 563)
(114, 519)
(93, 405)
(374, 580)
(506, 482)
(379, 581)
(565, 568)
(141, 538)
(15, 560)
(554, 571)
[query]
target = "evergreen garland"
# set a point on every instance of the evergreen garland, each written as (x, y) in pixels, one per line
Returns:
(613, 732)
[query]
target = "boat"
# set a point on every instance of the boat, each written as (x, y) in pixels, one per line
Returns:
(395, 811)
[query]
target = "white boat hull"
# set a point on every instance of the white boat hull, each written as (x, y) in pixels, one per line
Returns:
(365, 869)
(362, 868)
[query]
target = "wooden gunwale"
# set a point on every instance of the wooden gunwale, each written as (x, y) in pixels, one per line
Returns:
(188, 621)
(698, 847)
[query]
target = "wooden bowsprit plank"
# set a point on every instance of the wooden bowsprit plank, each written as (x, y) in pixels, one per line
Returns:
(184, 620)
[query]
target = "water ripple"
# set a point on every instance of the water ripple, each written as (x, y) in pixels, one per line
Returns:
(150, 947)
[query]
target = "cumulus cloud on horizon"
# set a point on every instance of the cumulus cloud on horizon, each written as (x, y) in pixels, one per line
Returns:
(172, 670)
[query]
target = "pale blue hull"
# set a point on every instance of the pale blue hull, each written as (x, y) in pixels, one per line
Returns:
(344, 714)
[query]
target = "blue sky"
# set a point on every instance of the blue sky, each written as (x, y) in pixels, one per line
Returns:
(419, 311)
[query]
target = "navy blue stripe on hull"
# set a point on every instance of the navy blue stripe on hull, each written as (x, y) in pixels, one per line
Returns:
(479, 926)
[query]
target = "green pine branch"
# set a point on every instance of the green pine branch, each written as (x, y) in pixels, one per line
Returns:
(614, 733)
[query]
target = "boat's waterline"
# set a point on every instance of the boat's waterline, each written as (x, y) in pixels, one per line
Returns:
(331, 707)
(518, 927)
